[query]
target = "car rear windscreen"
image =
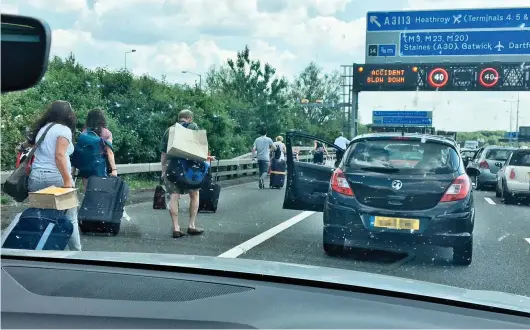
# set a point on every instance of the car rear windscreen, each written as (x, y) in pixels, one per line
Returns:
(408, 156)
(520, 158)
(468, 153)
(498, 154)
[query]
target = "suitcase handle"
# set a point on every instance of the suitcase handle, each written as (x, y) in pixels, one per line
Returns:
(217, 167)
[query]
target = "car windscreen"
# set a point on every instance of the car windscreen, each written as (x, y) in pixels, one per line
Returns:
(468, 153)
(405, 156)
(498, 154)
(520, 158)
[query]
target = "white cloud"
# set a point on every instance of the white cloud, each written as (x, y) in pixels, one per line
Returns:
(163, 58)
(322, 7)
(450, 4)
(9, 8)
(172, 36)
(61, 6)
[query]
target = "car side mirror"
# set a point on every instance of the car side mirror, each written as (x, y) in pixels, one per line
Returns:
(472, 171)
(25, 51)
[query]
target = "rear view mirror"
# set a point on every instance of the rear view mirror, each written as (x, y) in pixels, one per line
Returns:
(25, 50)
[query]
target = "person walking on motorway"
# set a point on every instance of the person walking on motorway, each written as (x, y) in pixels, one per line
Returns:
(52, 166)
(279, 148)
(319, 153)
(185, 118)
(262, 146)
(341, 142)
(96, 126)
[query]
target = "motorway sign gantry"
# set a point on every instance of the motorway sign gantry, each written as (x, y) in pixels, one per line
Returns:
(402, 118)
(441, 77)
(462, 35)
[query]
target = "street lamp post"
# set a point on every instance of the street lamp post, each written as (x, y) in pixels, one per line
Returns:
(131, 51)
(200, 77)
(516, 119)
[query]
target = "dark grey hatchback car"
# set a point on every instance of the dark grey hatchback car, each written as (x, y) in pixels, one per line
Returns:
(390, 191)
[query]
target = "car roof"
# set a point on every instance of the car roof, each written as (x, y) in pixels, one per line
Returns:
(420, 136)
(500, 147)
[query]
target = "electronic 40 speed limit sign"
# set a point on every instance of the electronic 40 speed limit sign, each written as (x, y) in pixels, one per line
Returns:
(438, 78)
(488, 78)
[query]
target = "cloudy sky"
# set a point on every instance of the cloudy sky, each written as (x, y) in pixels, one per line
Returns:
(171, 36)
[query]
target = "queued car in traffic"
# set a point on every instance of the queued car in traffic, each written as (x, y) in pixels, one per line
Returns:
(484, 166)
(513, 179)
(467, 155)
(390, 191)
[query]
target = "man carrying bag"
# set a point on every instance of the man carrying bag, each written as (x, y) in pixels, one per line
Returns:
(184, 168)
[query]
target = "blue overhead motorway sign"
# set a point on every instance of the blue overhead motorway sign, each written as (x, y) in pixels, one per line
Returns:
(495, 18)
(515, 42)
(402, 118)
(455, 36)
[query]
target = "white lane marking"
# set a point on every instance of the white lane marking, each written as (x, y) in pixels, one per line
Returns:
(256, 240)
(489, 200)
(527, 239)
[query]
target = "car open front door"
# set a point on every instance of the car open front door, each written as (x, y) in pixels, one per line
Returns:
(307, 180)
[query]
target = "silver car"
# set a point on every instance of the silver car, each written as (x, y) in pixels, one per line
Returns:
(487, 161)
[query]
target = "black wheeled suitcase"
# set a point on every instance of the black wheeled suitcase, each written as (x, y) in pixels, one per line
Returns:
(209, 193)
(159, 199)
(277, 176)
(38, 229)
(103, 205)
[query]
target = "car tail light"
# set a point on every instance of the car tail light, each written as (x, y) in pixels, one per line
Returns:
(340, 184)
(484, 164)
(512, 174)
(458, 189)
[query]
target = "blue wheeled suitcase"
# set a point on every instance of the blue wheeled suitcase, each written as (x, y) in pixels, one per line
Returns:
(103, 206)
(277, 175)
(39, 229)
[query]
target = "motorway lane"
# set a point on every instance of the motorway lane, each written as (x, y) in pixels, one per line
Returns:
(244, 212)
(501, 253)
(501, 259)
(520, 211)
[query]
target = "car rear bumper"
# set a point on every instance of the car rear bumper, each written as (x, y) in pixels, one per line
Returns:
(487, 178)
(519, 189)
(447, 225)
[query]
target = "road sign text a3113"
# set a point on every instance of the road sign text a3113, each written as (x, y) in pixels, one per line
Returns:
(458, 36)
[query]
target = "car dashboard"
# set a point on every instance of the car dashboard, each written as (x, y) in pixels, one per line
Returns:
(38, 294)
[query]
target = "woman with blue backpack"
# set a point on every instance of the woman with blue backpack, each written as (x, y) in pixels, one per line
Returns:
(94, 155)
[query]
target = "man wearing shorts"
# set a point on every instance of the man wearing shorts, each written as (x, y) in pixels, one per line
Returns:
(262, 148)
(174, 191)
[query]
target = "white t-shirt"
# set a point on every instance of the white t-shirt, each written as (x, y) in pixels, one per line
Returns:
(342, 142)
(45, 154)
(280, 145)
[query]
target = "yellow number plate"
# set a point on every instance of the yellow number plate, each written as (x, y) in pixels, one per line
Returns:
(397, 223)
